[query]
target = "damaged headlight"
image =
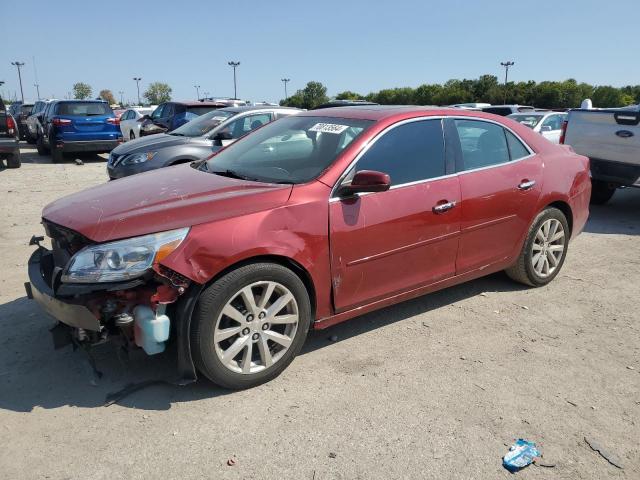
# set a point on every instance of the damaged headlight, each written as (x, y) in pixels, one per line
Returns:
(138, 158)
(123, 259)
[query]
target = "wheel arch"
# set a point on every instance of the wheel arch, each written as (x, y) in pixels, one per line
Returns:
(565, 208)
(282, 260)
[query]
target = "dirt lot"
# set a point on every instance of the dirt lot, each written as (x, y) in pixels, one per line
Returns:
(433, 388)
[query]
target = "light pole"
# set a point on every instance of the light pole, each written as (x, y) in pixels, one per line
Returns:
(37, 85)
(137, 79)
(235, 91)
(18, 64)
(197, 87)
(506, 66)
(121, 98)
(285, 81)
(205, 94)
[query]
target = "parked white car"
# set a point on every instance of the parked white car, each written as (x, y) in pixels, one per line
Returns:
(547, 124)
(129, 124)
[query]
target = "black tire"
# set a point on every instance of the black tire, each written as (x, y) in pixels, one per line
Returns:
(13, 161)
(601, 192)
(132, 136)
(30, 139)
(41, 147)
(523, 271)
(57, 155)
(210, 304)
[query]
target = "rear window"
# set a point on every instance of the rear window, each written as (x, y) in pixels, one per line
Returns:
(26, 108)
(84, 108)
(201, 110)
(504, 111)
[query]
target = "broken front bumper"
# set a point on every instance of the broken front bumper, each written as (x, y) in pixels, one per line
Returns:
(42, 275)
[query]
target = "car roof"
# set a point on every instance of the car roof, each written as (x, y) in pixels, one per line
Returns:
(377, 112)
(198, 103)
(251, 108)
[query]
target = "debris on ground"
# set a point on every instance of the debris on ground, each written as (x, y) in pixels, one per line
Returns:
(334, 338)
(232, 461)
(629, 367)
(521, 454)
(572, 403)
(484, 294)
(540, 462)
(609, 457)
(78, 161)
(332, 455)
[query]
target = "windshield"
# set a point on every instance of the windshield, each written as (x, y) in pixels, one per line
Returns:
(529, 120)
(202, 124)
(291, 150)
(84, 108)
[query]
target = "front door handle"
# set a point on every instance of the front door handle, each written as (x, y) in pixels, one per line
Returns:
(443, 207)
(527, 184)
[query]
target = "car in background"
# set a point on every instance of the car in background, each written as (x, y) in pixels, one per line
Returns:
(193, 141)
(471, 106)
(9, 139)
(87, 126)
(131, 121)
(236, 258)
(504, 110)
(610, 137)
(20, 112)
(343, 103)
(34, 120)
(546, 123)
(170, 115)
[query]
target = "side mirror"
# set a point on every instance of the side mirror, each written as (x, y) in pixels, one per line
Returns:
(222, 136)
(366, 181)
(545, 128)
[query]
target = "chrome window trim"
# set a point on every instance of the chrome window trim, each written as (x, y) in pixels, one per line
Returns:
(333, 198)
(374, 140)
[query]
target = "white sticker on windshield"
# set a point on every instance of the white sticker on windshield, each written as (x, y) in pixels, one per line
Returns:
(218, 119)
(328, 128)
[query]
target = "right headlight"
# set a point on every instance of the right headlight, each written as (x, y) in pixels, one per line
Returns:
(134, 158)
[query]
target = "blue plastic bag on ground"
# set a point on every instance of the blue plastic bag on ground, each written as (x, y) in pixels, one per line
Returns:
(520, 455)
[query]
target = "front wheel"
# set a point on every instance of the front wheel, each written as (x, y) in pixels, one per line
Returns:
(544, 249)
(40, 146)
(250, 324)
(132, 136)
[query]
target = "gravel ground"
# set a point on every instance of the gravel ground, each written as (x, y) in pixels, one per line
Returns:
(434, 388)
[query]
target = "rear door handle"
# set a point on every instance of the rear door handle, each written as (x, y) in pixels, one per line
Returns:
(527, 184)
(443, 207)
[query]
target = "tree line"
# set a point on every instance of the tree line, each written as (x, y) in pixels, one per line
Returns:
(156, 93)
(487, 89)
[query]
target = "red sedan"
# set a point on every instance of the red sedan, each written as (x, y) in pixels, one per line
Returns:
(309, 221)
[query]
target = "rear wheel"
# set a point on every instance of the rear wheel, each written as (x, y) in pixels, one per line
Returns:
(29, 138)
(249, 325)
(57, 155)
(13, 161)
(544, 249)
(601, 192)
(40, 146)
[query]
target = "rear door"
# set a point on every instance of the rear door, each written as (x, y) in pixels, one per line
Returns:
(500, 182)
(389, 242)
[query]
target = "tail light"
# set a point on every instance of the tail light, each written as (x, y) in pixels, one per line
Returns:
(563, 132)
(113, 121)
(61, 122)
(11, 125)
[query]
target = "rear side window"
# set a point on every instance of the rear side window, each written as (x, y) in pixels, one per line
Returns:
(84, 109)
(516, 148)
(483, 144)
(200, 110)
(408, 153)
(504, 111)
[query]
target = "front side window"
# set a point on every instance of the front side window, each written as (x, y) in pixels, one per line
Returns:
(483, 144)
(292, 150)
(410, 152)
(157, 113)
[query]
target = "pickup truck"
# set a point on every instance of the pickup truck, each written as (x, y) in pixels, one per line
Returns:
(9, 149)
(611, 140)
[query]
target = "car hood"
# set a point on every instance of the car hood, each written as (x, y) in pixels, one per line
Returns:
(160, 200)
(150, 143)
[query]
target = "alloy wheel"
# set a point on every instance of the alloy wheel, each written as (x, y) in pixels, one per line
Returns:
(548, 247)
(256, 327)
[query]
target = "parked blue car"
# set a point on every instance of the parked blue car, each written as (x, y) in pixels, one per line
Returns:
(87, 126)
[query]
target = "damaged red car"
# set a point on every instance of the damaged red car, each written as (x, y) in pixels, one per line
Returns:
(309, 221)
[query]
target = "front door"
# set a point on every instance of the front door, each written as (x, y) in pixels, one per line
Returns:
(389, 242)
(500, 181)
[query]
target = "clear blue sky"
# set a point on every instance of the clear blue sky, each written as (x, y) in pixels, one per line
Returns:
(356, 45)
